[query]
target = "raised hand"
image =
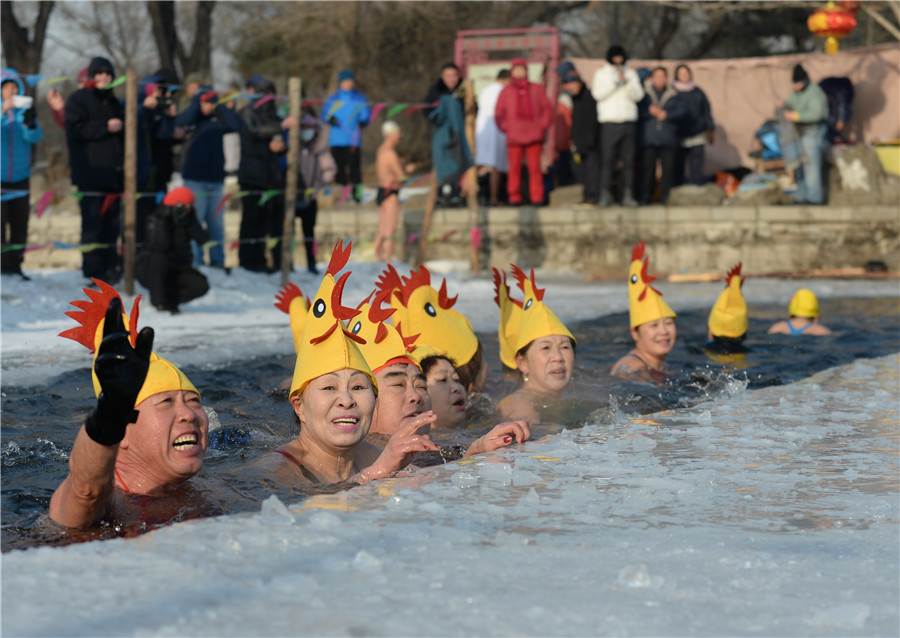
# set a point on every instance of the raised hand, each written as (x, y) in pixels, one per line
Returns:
(121, 371)
(410, 437)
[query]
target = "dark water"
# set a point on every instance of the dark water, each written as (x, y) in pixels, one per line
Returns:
(39, 423)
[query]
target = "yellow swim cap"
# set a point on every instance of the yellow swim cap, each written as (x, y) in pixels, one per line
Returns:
(804, 304)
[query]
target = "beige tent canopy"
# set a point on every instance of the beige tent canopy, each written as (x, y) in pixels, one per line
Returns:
(743, 93)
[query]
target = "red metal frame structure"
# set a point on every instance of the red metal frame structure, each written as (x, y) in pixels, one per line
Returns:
(536, 44)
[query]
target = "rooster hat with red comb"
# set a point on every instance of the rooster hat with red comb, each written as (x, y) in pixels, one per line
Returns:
(162, 375)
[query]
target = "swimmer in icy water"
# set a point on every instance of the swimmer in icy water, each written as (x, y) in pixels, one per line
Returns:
(146, 437)
(652, 325)
(536, 343)
(728, 318)
(804, 317)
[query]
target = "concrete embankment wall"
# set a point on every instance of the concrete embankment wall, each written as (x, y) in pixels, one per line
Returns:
(596, 242)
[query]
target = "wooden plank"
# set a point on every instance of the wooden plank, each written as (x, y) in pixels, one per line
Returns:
(290, 195)
(129, 201)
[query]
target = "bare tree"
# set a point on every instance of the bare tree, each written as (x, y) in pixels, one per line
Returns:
(173, 52)
(22, 52)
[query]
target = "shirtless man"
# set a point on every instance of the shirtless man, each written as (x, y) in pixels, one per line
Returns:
(804, 317)
(390, 174)
(145, 438)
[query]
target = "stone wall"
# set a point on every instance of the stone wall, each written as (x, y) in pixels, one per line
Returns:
(597, 242)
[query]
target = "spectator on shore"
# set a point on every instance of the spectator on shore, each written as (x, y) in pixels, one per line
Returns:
(164, 262)
(348, 112)
(57, 102)
(203, 166)
(20, 131)
(450, 152)
(490, 142)
(261, 145)
(390, 174)
(661, 113)
(94, 135)
(585, 132)
(192, 84)
(695, 128)
(617, 89)
(804, 317)
(563, 159)
(807, 108)
(155, 139)
(524, 113)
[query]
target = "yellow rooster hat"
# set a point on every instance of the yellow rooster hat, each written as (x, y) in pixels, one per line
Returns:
(645, 303)
(162, 375)
(510, 319)
(422, 310)
(537, 319)
(325, 345)
(384, 345)
(728, 317)
(290, 300)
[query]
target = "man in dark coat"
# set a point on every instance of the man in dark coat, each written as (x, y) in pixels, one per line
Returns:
(585, 131)
(94, 123)
(661, 111)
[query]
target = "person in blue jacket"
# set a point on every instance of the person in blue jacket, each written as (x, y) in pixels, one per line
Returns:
(661, 111)
(203, 165)
(19, 131)
(348, 112)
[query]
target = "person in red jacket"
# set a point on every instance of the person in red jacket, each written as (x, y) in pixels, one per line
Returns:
(524, 113)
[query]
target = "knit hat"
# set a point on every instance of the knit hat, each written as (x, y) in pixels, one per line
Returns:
(346, 74)
(565, 68)
(99, 64)
(571, 76)
(645, 303)
(384, 345)
(424, 311)
(162, 375)
(613, 51)
(728, 317)
(804, 304)
(325, 344)
(180, 195)
(799, 74)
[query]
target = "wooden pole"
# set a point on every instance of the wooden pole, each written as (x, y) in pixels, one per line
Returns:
(426, 222)
(129, 196)
(472, 173)
(290, 195)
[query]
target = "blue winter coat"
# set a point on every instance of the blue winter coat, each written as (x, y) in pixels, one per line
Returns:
(348, 119)
(17, 138)
(663, 133)
(203, 157)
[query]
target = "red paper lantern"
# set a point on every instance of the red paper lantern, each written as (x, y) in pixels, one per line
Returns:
(832, 23)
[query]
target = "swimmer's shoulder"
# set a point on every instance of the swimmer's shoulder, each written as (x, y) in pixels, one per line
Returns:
(780, 327)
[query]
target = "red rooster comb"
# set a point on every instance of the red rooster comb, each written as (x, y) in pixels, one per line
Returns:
(339, 257)
(638, 251)
(408, 341)
(734, 272)
(519, 274)
(377, 312)
(444, 301)
(92, 312)
(286, 295)
(415, 280)
(388, 280)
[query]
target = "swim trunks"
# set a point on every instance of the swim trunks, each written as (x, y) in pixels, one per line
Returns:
(384, 193)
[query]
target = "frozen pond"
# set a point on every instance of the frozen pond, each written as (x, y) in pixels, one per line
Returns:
(772, 512)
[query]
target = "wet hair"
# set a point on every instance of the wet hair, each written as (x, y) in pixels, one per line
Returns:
(727, 345)
(429, 362)
(468, 372)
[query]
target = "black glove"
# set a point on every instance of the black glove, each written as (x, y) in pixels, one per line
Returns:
(30, 119)
(121, 370)
(183, 215)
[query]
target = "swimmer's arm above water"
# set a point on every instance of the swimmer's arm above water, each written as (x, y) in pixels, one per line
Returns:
(86, 494)
(502, 435)
(410, 437)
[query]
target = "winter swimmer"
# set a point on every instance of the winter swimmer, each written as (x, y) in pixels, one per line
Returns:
(147, 435)
(390, 174)
(804, 317)
(728, 318)
(652, 324)
(536, 343)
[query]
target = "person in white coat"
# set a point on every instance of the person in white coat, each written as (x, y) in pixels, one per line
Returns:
(490, 141)
(617, 89)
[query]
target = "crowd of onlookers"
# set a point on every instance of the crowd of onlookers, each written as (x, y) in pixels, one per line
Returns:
(629, 138)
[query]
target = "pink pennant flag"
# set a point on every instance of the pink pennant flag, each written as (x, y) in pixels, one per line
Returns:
(345, 193)
(108, 201)
(378, 109)
(28, 249)
(42, 204)
(475, 237)
(412, 239)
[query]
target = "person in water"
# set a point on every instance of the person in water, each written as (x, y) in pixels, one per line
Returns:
(148, 433)
(804, 316)
(653, 326)
(447, 394)
(728, 318)
(543, 346)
